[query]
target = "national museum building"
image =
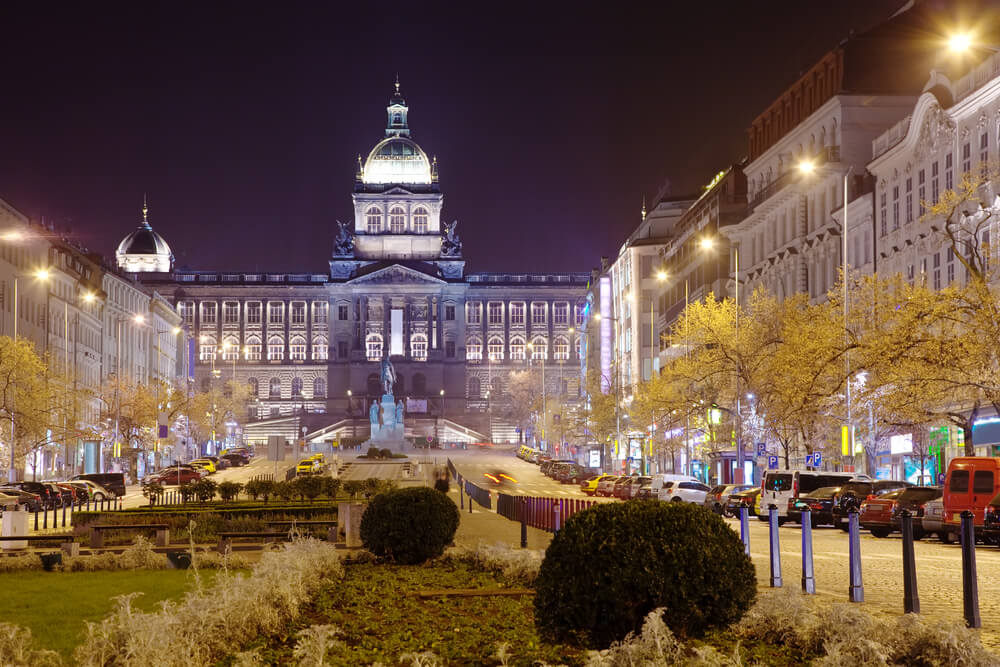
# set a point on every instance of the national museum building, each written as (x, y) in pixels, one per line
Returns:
(309, 344)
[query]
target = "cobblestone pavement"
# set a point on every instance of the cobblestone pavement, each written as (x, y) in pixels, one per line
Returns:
(939, 572)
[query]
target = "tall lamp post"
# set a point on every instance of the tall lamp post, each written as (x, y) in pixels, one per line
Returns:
(438, 434)
(543, 354)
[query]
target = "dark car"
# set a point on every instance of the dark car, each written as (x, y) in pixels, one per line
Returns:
(30, 501)
(49, 499)
(820, 504)
(572, 473)
(67, 493)
(742, 499)
(991, 521)
(547, 467)
(877, 512)
(112, 481)
(718, 496)
(913, 500)
(235, 459)
(854, 493)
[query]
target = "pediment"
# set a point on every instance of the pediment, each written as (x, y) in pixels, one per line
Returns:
(396, 275)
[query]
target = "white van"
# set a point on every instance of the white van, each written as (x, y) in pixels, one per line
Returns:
(780, 486)
(657, 484)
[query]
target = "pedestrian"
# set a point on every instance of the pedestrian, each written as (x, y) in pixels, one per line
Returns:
(441, 483)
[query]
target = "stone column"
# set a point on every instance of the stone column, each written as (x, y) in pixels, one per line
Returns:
(433, 333)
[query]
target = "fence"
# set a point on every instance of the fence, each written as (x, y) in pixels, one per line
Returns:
(543, 513)
(61, 517)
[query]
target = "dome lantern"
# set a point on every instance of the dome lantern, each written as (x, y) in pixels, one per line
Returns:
(144, 251)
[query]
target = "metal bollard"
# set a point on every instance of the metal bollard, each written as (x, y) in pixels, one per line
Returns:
(856, 591)
(470, 500)
(524, 523)
(45, 518)
(64, 516)
(970, 586)
(558, 511)
(911, 600)
(808, 576)
(36, 520)
(461, 498)
(772, 521)
(745, 530)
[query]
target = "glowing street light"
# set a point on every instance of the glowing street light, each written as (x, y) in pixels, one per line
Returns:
(960, 42)
(807, 166)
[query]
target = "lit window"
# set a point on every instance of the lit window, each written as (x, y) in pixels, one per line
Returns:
(561, 349)
(253, 312)
(231, 348)
(230, 312)
(495, 312)
(319, 388)
(208, 312)
(373, 346)
(538, 313)
(186, 309)
(397, 220)
(253, 348)
(420, 220)
(320, 309)
(418, 347)
(473, 312)
(539, 349)
(275, 313)
(297, 348)
(560, 313)
(516, 313)
(495, 348)
(373, 220)
(298, 312)
(577, 345)
(275, 348)
(342, 312)
(517, 348)
(207, 349)
(320, 348)
(274, 388)
(474, 350)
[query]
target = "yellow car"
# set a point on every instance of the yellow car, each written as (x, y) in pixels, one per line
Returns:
(589, 486)
(318, 456)
(307, 467)
(207, 464)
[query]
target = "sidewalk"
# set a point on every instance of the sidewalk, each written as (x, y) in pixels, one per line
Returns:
(488, 527)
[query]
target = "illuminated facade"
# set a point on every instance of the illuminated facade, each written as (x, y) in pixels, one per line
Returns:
(310, 343)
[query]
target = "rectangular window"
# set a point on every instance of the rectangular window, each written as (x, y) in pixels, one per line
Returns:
(298, 312)
(449, 312)
(984, 148)
(275, 313)
(321, 310)
(275, 350)
(883, 215)
(473, 312)
(910, 271)
(495, 349)
(449, 349)
(937, 270)
(342, 349)
(895, 207)
(516, 314)
(230, 312)
(209, 315)
(253, 312)
(495, 312)
(934, 183)
(297, 350)
(474, 350)
(342, 312)
(909, 200)
(186, 310)
(253, 351)
(560, 313)
(982, 482)
(966, 158)
(949, 170)
(921, 190)
(320, 349)
(207, 350)
(538, 312)
(578, 314)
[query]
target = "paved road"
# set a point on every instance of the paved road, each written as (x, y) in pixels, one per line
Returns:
(472, 464)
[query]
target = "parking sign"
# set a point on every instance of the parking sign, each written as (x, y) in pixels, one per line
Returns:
(818, 458)
(772, 462)
(761, 449)
(810, 461)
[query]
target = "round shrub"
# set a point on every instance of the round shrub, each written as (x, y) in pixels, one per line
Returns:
(410, 525)
(612, 564)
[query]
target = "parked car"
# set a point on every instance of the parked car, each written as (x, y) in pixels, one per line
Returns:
(112, 481)
(991, 521)
(855, 492)
(606, 486)
(63, 498)
(173, 476)
(589, 485)
(820, 504)
(547, 466)
(307, 467)
(244, 451)
(635, 483)
(236, 460)
(572, 473)
(45, 494)
(742, 499)
(9, 501)
(93, 490)
(930, 522)
(644, 492)
(780, 486)
(913, 499)
(970, 484)
(220, 463)
(718, 496)
(876, 513)
(30, 501)
(205, 463)
(660, 479)
(621, 489)
(684, 491)
(524, 452)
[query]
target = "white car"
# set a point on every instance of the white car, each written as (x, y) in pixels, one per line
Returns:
(95, 491)
(684, 491)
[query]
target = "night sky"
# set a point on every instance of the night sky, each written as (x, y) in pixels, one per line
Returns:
(243, 121)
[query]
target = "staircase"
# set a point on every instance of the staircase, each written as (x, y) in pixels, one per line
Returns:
(503, 430)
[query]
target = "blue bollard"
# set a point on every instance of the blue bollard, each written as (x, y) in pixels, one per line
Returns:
(856, 592)
(524, 523)
(557, 523)
(911, 600)
(772, 521)
(970, 586)
(745, 530)
(808, 576)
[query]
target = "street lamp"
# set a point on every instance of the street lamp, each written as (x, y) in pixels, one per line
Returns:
(438, 434)
(531, 348)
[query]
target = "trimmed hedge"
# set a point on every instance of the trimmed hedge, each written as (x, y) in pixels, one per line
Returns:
(610, 565)
(409, 526)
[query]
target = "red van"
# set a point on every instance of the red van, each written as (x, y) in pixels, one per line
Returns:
(971, 484)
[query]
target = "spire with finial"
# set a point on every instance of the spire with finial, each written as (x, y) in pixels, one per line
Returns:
(397, 111)
(644, 208)
(145, 211)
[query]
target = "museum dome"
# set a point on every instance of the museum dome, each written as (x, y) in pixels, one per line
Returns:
(397, 158)
(144, 250)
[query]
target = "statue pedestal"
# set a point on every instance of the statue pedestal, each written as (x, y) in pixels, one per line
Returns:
(391, 433)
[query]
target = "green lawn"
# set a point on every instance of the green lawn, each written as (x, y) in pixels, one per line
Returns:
(55, 605)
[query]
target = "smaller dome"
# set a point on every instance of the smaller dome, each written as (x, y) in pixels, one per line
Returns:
(397, 160)
(144, 250)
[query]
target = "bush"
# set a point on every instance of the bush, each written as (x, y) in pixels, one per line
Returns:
(612, 564)
(373, 453)
(153, 491)
(284, 490)
(204, 489)
(309, 486)
(409, 526)
(187, 491)
(260, 487)
(385, 453)
(370, 486)
(229, 490)
(331, 487)
(352, 487)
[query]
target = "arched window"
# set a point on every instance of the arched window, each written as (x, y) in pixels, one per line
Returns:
(254, 387)
(275, 348)
(475, 389)
(207, 350)
(296, 387)
(320, 349)
(373, 346)
(319, 388)
(578, 347)
(418, 347)
(516, 348)
(230, 348)
(539, 348)
(253, 348)
(419, 384)
(474, 349)
(560, 350)
(275, 388)
(397, 119)
(297, 348)
(420, 220)
(374, 387)
(397, 220)
(373, 220)
(495, 348)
